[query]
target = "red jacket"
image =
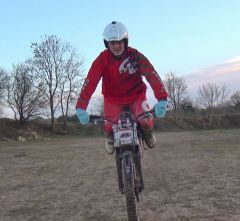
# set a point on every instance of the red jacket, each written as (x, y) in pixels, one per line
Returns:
(122, 81)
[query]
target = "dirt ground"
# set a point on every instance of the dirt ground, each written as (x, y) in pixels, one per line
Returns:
(191, 176)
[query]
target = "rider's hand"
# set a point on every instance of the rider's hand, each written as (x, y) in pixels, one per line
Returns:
(82, 115)
(160, 108)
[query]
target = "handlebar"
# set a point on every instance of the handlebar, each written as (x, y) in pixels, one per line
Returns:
(96, 119)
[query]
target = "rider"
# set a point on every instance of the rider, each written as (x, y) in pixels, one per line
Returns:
(121, 69)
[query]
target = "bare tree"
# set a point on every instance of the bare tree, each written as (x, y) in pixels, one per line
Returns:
(70, 83)
(188, 106)
(3, 86)
(177, 91)
(99, 105)
(235, 100)
(212, 97)
(49, 65)
(25, 100)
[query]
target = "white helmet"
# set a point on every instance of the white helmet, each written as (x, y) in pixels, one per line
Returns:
(115, 31)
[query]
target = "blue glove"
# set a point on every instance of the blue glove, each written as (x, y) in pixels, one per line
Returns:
(160, 108)
(82, 115)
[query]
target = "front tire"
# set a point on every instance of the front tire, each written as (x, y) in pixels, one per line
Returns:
(129, 179)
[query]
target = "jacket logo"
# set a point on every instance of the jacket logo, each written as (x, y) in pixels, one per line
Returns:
(128, 65)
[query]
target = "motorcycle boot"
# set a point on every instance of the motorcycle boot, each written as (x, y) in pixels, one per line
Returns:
(109, 145)
(149, 138)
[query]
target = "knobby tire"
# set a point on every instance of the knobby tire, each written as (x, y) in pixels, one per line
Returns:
(128, 174)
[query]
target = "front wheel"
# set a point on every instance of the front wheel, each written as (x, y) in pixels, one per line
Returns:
(129, 185)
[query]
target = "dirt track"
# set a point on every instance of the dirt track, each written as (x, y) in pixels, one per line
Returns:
(191, 176)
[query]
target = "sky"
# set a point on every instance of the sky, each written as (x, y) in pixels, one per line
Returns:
(182, 36)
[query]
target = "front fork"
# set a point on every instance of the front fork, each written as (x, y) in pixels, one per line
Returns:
(139, 174)
(119, 172)
(139, 184)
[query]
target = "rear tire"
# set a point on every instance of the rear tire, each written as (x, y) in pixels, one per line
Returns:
(129, 179)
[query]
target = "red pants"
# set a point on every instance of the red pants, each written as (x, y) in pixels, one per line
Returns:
(112, 111)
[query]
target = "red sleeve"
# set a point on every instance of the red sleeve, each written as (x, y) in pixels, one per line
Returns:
(157, 85)
(91, 82)
(148, 71)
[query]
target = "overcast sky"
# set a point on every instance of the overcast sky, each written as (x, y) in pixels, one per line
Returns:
(177, 35)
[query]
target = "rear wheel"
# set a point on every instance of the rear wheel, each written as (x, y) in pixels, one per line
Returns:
(129, 185)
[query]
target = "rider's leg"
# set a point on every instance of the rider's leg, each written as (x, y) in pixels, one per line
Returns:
(111, 113)
(138, 107)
